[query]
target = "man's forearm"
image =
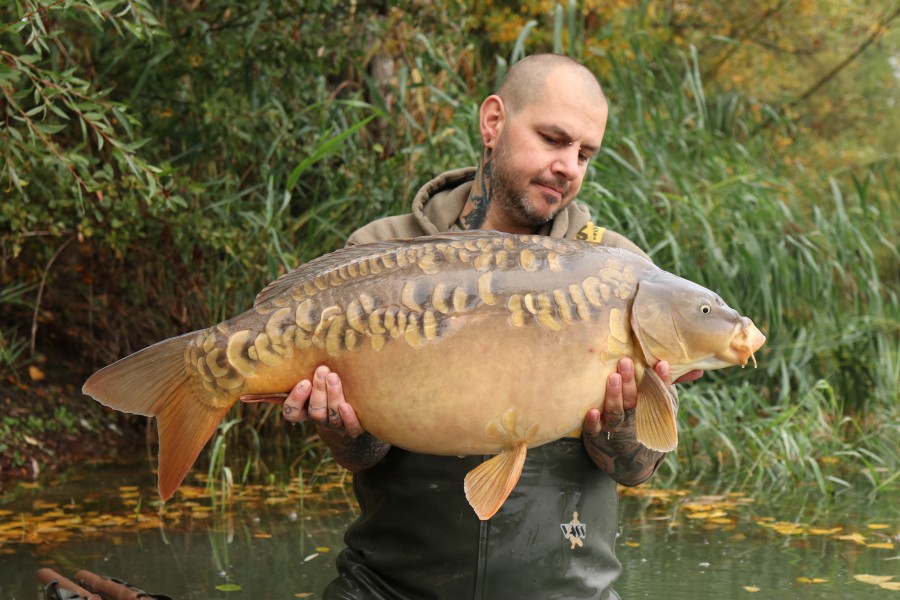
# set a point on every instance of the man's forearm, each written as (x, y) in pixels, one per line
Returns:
(618, 453)
(354, 454)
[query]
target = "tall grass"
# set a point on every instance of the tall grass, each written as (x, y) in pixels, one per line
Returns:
(810, 256)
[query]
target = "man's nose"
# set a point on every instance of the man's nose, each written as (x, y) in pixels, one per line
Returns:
(566, 164)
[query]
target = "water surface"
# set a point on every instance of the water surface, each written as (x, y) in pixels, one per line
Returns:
(280, 541)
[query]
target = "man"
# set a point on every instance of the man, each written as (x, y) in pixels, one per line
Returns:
(417, 537)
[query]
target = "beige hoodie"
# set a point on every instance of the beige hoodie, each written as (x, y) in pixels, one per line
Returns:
(437, 206)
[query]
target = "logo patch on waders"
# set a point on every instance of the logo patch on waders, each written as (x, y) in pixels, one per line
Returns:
(575, 531)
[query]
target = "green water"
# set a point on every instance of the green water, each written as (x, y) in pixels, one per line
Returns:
(676, 545)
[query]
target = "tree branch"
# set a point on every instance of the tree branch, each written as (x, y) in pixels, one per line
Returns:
(877, 32)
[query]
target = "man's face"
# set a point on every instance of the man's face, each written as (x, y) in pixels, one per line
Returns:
(541, 154)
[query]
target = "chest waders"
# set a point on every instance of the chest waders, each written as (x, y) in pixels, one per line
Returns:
(418, 538)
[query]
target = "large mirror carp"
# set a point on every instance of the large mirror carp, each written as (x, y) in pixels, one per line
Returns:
(454, 344)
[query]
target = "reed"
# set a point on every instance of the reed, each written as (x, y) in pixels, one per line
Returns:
(810, 256)
(219, 479)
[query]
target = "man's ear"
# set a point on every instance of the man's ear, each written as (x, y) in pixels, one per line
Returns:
(491, 118)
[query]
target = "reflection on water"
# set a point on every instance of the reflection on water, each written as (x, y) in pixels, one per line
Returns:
(281, 541)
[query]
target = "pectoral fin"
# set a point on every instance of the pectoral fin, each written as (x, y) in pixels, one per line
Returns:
(490, 483)
(654, 416)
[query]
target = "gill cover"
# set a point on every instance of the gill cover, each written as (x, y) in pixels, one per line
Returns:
(685, 324)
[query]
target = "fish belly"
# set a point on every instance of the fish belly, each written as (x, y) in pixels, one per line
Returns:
(480, 389)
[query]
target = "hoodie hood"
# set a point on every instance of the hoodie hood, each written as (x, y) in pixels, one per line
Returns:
(437, 205)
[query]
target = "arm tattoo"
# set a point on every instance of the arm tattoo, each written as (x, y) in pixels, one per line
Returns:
(354, 454)
(481, 195)
(618, 453)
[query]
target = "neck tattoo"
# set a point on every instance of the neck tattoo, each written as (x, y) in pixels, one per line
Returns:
(481, 195)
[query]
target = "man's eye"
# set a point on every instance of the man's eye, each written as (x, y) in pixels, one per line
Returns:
(550, 140)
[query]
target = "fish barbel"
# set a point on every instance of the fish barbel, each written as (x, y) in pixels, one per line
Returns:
(454, 344)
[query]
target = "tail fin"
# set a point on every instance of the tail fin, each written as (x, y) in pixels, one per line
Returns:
(153, 382)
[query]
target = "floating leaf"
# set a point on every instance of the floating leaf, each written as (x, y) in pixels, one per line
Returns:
(856, 538)
(751, 588)
(633, 544)
(228, 587)
(890, 585)
(262, 536)
(812, 580)
(877, 526)
(304, 595)
(831, 531)
(881, 545)
(323, 549)
(873, 579)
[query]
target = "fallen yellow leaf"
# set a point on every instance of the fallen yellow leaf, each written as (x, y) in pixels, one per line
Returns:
(890, 585)
(633, 544)
(303, 595)
(751, 588)
(263, 536)
(873, 579)
(323, 549)
(35, 373)
(881, 545)
(877, 526)
(813, 580)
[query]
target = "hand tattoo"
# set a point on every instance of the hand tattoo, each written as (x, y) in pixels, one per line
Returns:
(617, 453)
(354, 454)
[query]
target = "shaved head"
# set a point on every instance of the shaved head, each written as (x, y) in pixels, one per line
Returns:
(526, 80)
(540, 131)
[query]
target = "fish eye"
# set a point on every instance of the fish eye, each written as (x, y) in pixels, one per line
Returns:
(705, 309)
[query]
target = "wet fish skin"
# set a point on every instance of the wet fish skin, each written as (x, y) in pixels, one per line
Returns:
(471, 343)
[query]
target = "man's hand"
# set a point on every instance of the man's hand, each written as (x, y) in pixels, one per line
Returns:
(322, 402)
(610, 437)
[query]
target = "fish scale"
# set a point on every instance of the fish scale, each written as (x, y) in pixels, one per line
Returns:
(328, 326)
(463, 343)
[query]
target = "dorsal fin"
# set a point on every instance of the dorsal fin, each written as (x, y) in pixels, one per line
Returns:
(320, 265)
(327, 262)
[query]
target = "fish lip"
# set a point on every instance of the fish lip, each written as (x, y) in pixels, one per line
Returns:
(747, 341)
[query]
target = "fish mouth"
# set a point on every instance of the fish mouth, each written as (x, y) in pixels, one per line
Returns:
(746, 343)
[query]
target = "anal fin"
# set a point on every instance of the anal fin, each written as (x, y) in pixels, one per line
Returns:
(489, 484)
(654, 415)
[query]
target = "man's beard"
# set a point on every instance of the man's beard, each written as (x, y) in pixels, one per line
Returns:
(514, 200)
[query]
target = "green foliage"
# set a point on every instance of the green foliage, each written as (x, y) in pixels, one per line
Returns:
(165, 161)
